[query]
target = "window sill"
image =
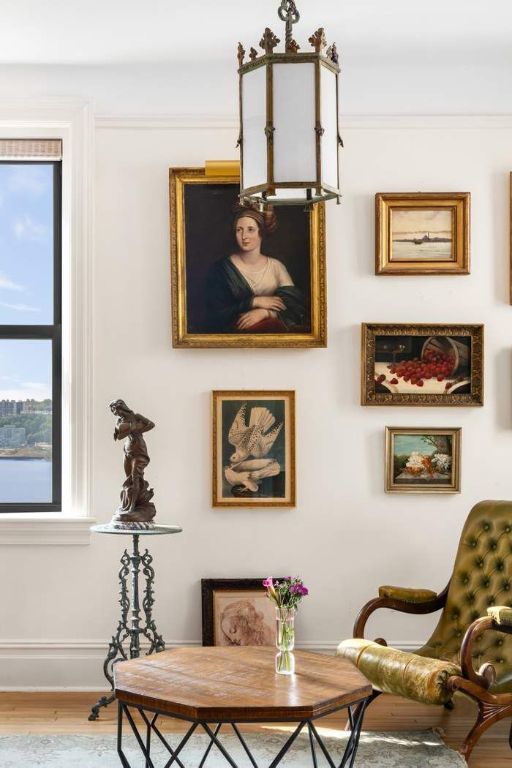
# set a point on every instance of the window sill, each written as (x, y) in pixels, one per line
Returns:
(51, 530)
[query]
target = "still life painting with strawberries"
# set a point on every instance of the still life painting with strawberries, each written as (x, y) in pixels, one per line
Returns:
(422, 365)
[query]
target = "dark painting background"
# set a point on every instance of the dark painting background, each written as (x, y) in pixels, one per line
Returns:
(385, 345)
(270, 487)
(209, 237)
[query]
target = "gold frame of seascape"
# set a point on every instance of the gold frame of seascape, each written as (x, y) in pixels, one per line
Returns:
(252, 394)
(228, 173)
(391, 486)
(458, 202)
(369, 332)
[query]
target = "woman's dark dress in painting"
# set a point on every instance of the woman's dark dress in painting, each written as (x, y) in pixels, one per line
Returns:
(229, 295)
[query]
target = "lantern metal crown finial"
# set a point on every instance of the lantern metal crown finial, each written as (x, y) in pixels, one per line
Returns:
(289, 136)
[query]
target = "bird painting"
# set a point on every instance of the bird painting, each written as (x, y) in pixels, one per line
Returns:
(252, 438)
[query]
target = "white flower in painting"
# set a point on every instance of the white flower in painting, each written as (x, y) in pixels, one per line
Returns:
(442, 462)
(415, 460)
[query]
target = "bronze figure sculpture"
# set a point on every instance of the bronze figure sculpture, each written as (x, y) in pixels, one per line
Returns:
(136, 505)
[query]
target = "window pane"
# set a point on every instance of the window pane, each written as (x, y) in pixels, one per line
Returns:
(26, 243)
(25, 421)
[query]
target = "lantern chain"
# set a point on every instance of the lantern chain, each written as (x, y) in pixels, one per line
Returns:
(288, 13)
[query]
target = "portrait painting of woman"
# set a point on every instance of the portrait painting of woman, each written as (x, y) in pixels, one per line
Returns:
(241, 276)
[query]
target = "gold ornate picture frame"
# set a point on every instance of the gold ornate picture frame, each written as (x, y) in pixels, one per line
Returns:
(210, 291)
(422, 233)
(260, 471)
(423, 459)
(420, 364)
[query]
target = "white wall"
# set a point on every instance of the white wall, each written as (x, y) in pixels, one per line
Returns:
(346, 536)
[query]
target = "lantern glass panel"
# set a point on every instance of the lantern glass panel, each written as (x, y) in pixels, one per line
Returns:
(254, 113)
(294, 122)
(329, 122)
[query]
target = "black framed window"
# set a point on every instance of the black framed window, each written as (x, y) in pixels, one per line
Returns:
(30, 326)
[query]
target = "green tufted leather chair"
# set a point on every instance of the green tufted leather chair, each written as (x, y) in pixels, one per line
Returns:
(470, 650)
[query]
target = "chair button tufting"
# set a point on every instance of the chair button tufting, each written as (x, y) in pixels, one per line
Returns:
(499, 642)
(486, 526)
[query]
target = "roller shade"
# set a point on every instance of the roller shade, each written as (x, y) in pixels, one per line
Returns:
(30, 149)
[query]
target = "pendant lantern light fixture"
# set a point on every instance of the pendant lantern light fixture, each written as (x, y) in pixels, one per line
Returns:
(289, 134)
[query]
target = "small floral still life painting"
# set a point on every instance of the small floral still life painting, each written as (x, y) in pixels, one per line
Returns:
(286, 595)
(421, 460)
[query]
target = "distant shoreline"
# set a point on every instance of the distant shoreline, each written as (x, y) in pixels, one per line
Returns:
(25, 458)
(430, 240)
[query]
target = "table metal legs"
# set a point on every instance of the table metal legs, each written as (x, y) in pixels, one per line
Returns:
(129, 629)
(143, 736)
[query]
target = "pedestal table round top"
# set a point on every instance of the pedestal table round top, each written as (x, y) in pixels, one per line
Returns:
(156, 530)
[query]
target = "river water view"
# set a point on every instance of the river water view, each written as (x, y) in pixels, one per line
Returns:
(25, 480)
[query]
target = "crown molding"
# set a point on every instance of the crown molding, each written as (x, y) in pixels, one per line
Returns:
(349, 122)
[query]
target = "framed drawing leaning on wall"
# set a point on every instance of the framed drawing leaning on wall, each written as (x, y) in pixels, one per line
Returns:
(237, 612)
(422, 233)
(253, 449)
(423, 459)
(422, 364)
(240, 277)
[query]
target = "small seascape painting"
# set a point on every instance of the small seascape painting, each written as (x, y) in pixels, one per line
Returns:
(237, 612)
(422, 364)
(422, 233)
(253, 449)
(422, 460)
(425, 234)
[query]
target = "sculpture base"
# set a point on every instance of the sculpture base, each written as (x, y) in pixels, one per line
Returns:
(140, 515)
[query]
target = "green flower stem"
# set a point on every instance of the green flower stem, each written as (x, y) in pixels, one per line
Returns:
(285, 662)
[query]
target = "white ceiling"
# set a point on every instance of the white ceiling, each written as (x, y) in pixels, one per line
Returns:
(148, 31)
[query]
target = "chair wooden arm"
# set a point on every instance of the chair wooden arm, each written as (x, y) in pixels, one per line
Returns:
(486, 675)
(428, 606)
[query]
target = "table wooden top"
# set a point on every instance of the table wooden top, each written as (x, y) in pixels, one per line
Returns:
(238, 684)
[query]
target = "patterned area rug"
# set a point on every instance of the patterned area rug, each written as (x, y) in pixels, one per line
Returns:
(376, 750)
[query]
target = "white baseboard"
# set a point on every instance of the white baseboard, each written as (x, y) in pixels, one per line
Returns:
(76, 665)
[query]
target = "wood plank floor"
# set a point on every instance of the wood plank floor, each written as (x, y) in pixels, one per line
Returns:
(56, 713)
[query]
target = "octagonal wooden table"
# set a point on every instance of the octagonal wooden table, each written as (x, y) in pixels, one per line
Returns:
(211, 687)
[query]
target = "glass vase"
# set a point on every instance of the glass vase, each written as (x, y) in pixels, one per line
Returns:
(285, 640)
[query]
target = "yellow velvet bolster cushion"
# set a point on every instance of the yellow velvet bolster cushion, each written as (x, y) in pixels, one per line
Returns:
(501, 614)
(408, 595)
(400, 673)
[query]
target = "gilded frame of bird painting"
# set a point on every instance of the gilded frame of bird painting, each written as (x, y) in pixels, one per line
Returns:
(236, 612)
(241, 277)
(253, 448)
(422, 233)
(423, 459)
(422, 364)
